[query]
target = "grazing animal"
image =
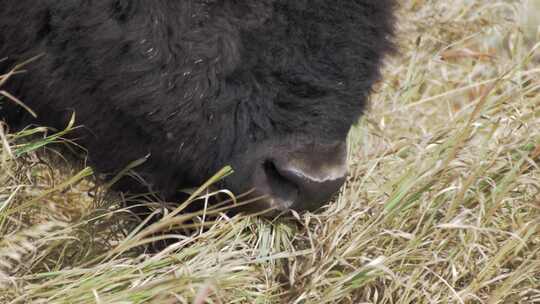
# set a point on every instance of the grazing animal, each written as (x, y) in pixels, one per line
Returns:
(270, 87)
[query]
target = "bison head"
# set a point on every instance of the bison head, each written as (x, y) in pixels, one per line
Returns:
(270, 87)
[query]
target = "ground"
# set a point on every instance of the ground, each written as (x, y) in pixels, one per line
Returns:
(442, 204)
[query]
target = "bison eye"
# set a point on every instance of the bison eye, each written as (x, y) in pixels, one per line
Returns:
(302, 88)
(306, 90)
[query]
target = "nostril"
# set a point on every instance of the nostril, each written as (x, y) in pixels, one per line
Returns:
(297, 179)
(301, 180)
(315, 186)
(280, 187)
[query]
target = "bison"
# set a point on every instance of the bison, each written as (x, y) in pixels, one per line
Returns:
(270, 87)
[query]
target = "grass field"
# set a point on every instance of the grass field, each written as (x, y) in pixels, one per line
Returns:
(442, 204)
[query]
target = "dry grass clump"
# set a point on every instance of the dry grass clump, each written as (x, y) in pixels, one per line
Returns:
(442, 205)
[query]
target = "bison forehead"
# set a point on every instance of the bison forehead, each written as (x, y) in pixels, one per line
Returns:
(305, 52)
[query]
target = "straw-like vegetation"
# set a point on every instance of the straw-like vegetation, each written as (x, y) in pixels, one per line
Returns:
(442, 204)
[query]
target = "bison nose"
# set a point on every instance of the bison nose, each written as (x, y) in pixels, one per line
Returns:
(305, 179)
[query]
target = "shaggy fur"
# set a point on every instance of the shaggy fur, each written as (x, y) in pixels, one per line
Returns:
(196, 84)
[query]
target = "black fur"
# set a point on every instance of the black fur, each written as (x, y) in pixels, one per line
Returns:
(197, 84)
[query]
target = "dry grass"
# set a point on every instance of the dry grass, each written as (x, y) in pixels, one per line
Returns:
(442, 206)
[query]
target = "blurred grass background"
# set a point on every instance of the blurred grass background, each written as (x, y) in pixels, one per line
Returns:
(442, 204)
